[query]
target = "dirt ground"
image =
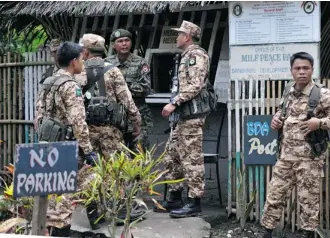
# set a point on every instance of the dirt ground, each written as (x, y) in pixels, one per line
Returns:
(231, 229)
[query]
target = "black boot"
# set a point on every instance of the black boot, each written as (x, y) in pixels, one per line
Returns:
(268, 233)
(93, 216)
(174, 202)
(60, 232)
(191, 209)
(135, 214)
(307, 234)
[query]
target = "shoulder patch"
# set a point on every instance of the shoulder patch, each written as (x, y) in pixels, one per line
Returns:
(145, 68)
(78, 92)
(192, 61)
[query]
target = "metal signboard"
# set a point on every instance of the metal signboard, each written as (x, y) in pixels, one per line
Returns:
(274, 22)
(168, 38)
(45, 168)
(260, 141)
(268, 61)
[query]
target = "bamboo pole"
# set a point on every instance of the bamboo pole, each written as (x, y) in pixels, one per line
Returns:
(129, 21)
(115, 27)
(17, 122)
(75, 29)
(15, 107)
(83, 26)
(95, 24)
(5, 110)
(257, 171)
(230, 159)
(327, 191)
(104, 26)
(251, 186)
(20, 102)
(31, 102)
(24, 64)
(67, 27)
(26, 97)
(139, 36)
(1, 116)
(237, 137)
(262, 167)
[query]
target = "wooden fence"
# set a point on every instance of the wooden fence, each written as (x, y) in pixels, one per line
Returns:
(19, 77)
(261, 97)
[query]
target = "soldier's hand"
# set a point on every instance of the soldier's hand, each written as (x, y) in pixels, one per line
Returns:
(276, 123)
(168, 109)
(136, 130)
(310, 125)
(92, 159)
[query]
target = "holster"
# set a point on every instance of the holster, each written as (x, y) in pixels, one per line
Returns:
(53, 130)
(318, 141)
(100, 112)
(197, 107)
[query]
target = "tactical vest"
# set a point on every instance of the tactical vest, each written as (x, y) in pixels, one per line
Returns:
(51, 129)
(130, 74)
(203, 103)
(48, 73)
(99, 110)
(318, 139)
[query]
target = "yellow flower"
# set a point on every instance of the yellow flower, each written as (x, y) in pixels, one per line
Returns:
(9, 191)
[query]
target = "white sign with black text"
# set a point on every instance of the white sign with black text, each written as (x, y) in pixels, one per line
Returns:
(268, 61)
(274, 22)
(168, 38)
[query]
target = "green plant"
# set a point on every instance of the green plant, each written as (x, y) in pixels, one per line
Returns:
(243, 208)
(121, 180)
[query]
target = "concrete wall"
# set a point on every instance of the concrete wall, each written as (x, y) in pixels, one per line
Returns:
(210, 133)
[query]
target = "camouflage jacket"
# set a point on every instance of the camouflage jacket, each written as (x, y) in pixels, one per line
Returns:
(136, 72)
(69, 109)
(293, 143)
(117, 91)
(137, 75)
(193, 72)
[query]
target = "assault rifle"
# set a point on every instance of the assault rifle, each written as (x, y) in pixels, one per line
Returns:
(174, 116)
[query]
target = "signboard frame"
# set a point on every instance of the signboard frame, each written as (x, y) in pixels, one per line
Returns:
(259, 151)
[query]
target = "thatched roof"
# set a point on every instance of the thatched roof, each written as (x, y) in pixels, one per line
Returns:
(94, 8)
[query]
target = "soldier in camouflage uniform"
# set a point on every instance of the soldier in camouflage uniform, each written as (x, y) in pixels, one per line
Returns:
(53, 46)
(184, 156)
(107, 139)
(61, 98)
(137, 75)
(296, 165)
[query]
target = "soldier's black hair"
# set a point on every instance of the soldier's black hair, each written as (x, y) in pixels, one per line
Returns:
(67, 52)
(303, 56)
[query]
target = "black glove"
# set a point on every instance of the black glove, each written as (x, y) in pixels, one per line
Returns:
(92, 159)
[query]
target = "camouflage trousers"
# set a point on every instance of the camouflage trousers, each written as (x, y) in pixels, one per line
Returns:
(146, 124)
(105, 139)
(59, 211)
(184, 156)
(60, 208)
(306, 175)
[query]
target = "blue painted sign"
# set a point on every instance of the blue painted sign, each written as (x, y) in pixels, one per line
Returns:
(45, 168)
(260, 141)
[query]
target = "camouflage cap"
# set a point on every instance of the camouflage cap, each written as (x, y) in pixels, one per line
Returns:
(190, 29)
(120, 33)
(92, 41)
(55, 44)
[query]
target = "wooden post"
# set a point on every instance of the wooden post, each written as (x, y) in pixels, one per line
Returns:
(39, 215)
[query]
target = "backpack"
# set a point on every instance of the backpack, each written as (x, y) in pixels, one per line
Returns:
(319, 138)
(313, 101)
